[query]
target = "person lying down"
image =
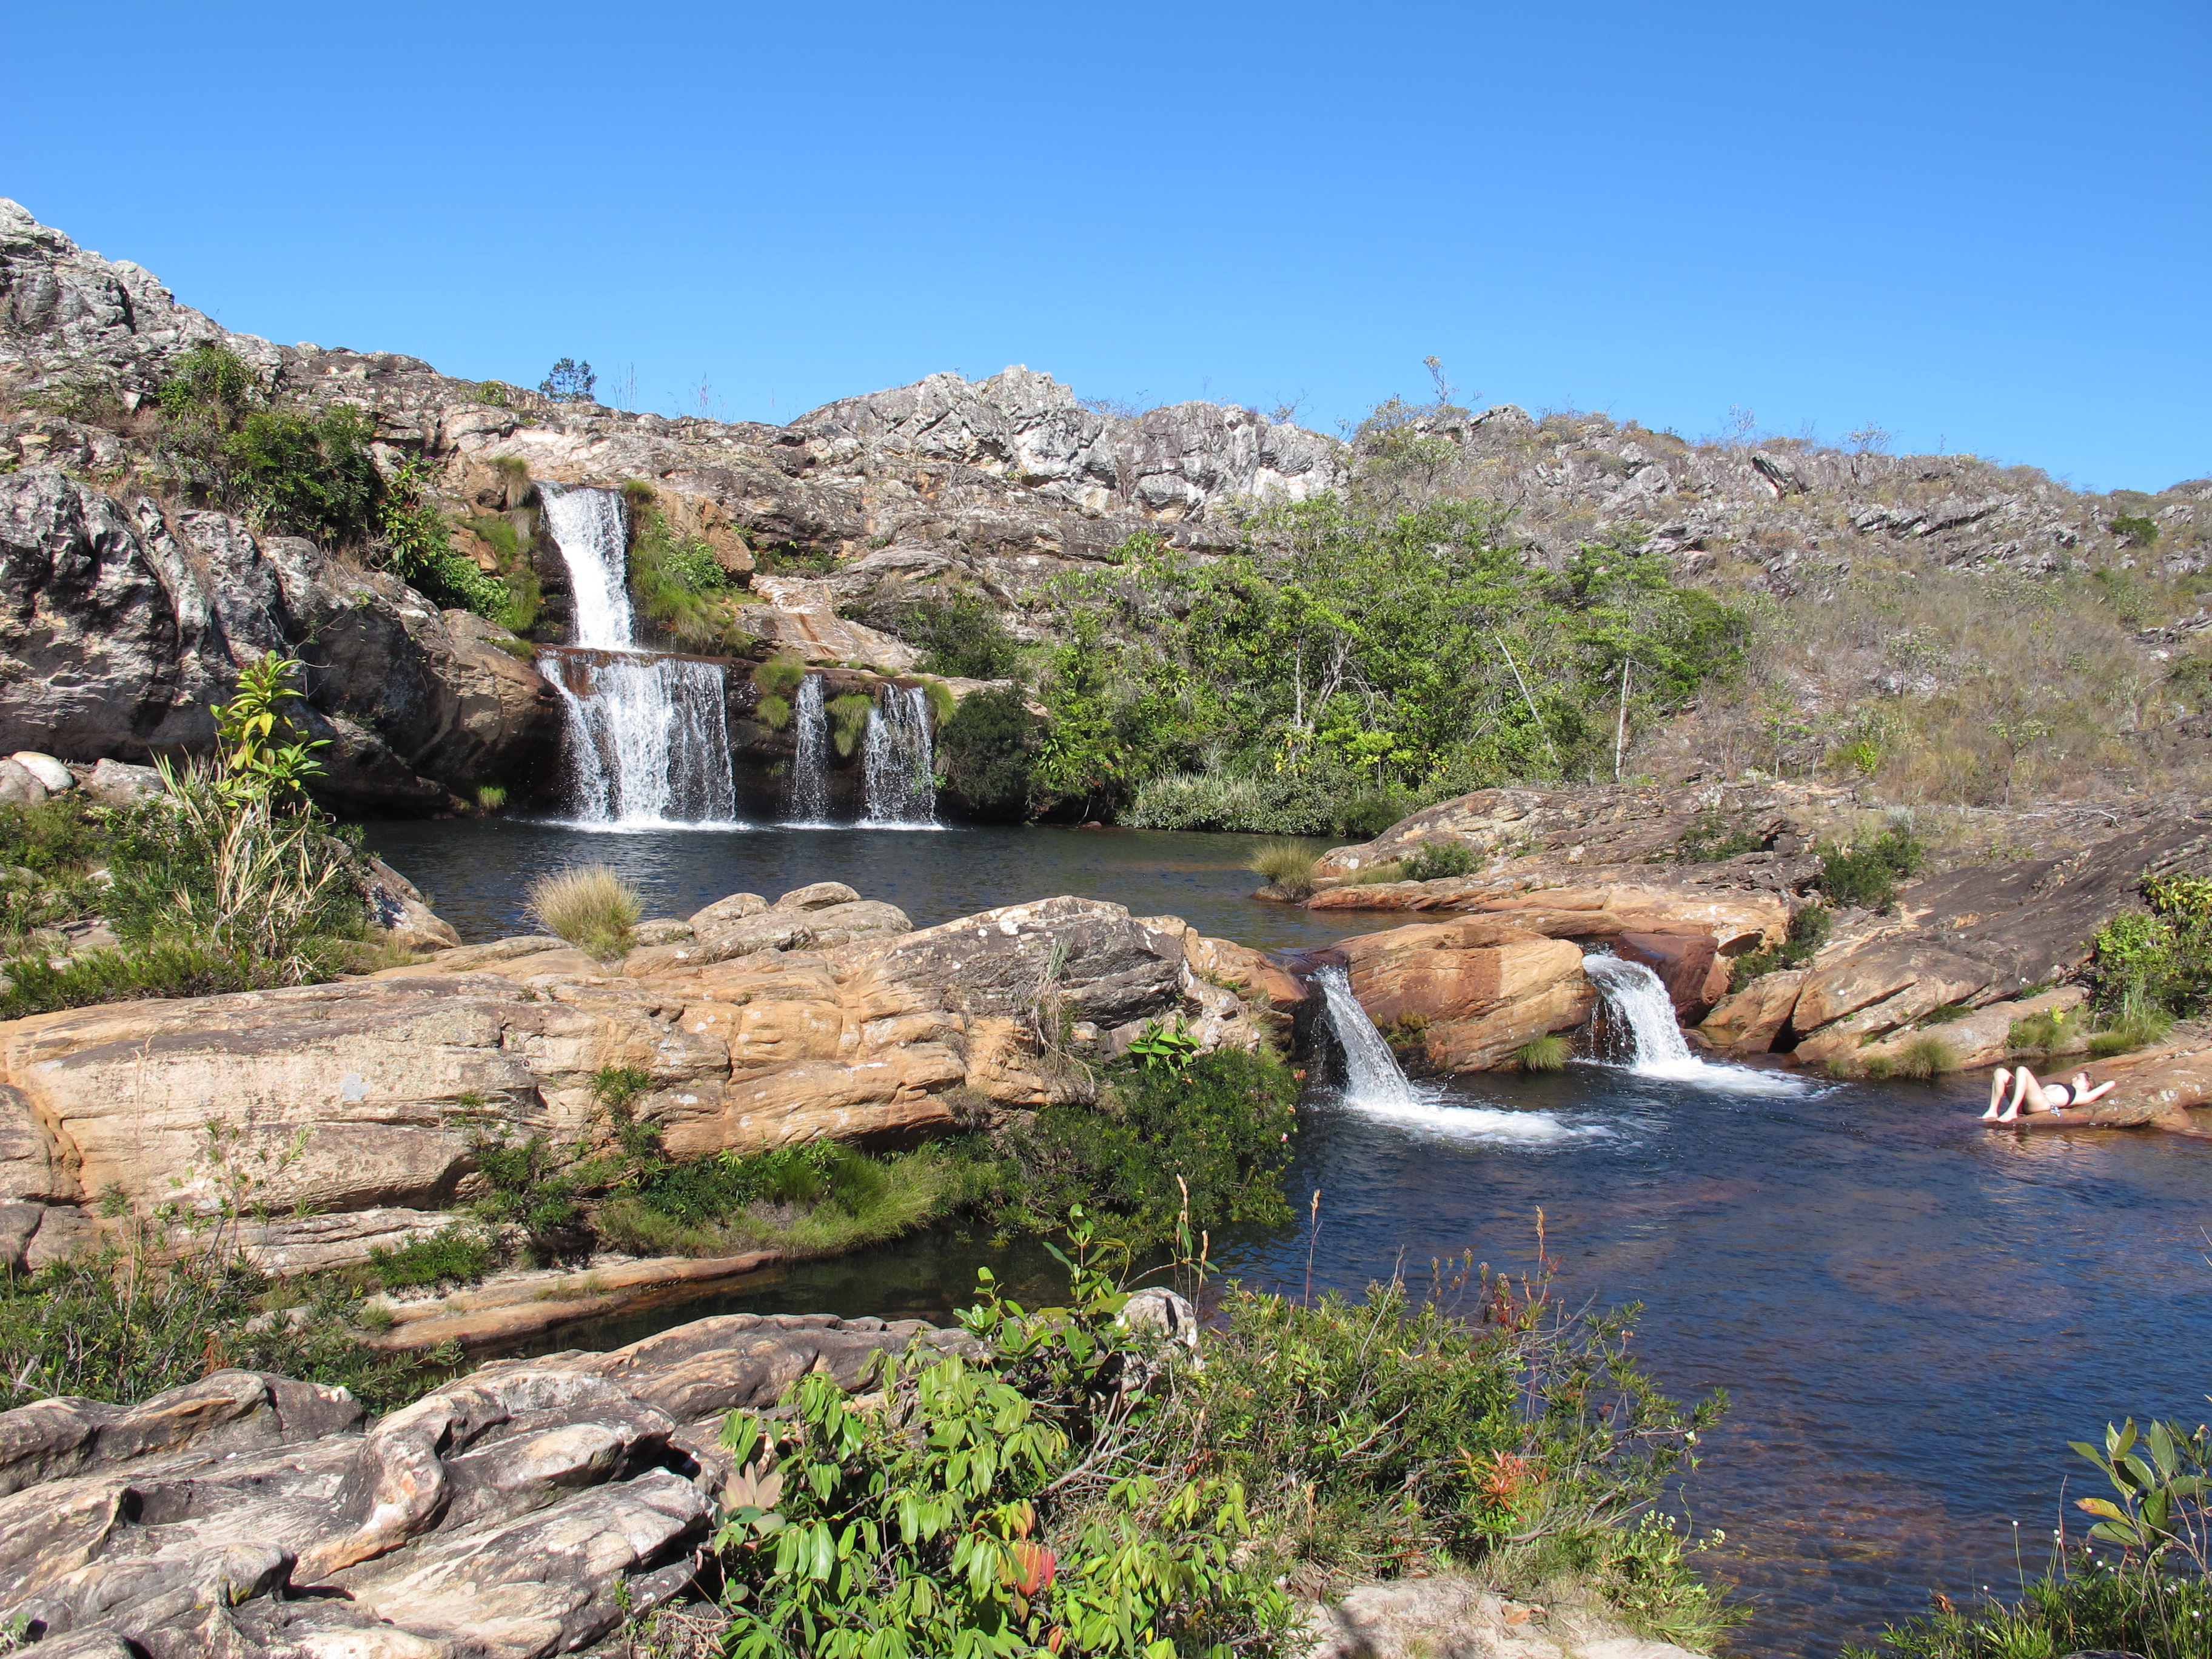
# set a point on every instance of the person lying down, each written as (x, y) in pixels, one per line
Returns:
(2035, 1097)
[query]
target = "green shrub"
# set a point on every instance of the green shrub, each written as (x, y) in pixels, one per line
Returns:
(780, 677)
(960, 634)
(1943, 1013)
(1711, 838)
(589, 905)
(1549, 1052)
(539, 1186)
(774, 713)
(165, 967)
(1288, 865)
(2135, 530)
(1808, 932)
(1221, 1124)
(2043, 1033)
(681, 585)
(2158, 962)
(211, 385)
(805, 1200)
(1439, 860)
(1867, 877)
(458, 1255)
(307, 475)
(493, 392)
(2137, 1027)
(490, 797)
(1371, 812)
(986, 752)
(416, 544)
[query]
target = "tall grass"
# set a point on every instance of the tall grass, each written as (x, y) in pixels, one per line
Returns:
(1288, 865)
(589, 905)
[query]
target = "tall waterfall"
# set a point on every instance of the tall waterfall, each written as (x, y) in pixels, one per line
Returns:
(810, 776)
(1372, 1077)
(646, 738)
(1635, 994)
(898, 771)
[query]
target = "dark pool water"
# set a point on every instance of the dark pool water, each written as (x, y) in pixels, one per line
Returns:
(474, 871)
(1911, 1312)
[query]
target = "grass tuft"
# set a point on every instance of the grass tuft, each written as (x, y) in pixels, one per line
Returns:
(1543, 1053)
(1926, 1058)
(1288, 865)
(591, 906)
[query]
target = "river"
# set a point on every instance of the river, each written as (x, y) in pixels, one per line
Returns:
(1911, 1312)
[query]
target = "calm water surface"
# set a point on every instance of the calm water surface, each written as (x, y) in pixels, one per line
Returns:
(474, 871)
(1911, 1314)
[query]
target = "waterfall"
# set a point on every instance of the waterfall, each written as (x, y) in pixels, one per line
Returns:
(646, 739)
(589, 527)
(1636, 994)
(1372, 1077)
(810, 777)
(897, 768)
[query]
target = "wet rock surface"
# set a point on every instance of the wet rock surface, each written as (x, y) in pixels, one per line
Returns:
(524, 1509)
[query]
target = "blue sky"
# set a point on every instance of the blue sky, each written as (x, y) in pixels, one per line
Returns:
(1982, 226)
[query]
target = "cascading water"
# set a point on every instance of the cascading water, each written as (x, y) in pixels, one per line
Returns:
(1639, 999)
(897, 767)
(810, 777)
(646, 738)
(1371, 1073)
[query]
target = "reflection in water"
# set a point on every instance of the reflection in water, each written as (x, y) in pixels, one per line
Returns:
(474, 871)
(1911, 1314)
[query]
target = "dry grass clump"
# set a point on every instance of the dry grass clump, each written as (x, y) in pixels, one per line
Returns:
(1288, 865)
(591, 906)
(1926, 1058)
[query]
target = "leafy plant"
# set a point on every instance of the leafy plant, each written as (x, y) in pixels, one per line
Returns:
(2043, 1033)
(260, 748)
(416, 544)
(306, 474)
(589, 905)
(1169, 1046)
(2158, 962)
(2135, 530)
(683, 586)
(1867, 876)
(1438, 860)
(1808, 932)
(960, 635)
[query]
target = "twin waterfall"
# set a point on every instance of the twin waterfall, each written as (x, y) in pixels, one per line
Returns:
(646, 739)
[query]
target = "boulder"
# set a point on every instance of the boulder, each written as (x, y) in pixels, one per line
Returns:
(398, 914)
(1982, 1037)
(115, 783)
(1747, 1021)
(524, 1510)
(50, 772)
(1452, 1614)
(818, 896)
(1845, 1004)
(1483, 987)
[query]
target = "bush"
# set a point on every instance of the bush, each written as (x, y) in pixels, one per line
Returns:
(156, 968)
(960, 635)
(2159, 962)
(1867, 877)
(1439, 860)
(591, 906)
(307, 475)
(1372, 812)
(780, 677)
(986, 752)
(683, 587)
(1217, 1127)
(812, 1200)
(1543, 1053)
(2039, 1034)
(2137, 1027)
(1711, 838)
(1808, 932)
(417, 546)
(1288, 865)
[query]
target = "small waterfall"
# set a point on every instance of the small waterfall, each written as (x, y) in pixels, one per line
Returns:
(647, 741)
(1372, 1077)
(810, 776)
(1641, 1001)
(593, 536)
(897, 767)
(646, 738)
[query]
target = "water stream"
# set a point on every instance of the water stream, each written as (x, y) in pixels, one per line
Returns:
(1373, 1077)
(645, 741)
(1656, 1047)
(810, 774)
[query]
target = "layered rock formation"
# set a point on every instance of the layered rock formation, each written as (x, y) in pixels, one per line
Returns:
(350, 1112)
(525, 1510)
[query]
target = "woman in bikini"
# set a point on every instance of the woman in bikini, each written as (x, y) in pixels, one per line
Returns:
(2038, 1098)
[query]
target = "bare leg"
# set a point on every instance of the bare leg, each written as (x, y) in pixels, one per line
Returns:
(1998, 1078)
(2037, 1099)
(2024, 1091)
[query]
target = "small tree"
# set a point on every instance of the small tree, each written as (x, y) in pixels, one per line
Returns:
(569, 382)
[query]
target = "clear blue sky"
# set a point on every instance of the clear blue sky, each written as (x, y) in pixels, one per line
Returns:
(1982, 226)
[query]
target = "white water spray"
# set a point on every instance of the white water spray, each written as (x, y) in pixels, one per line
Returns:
(896, 765)
(1372, 1076)
(810, 774)
(1659, 1049)
(646, 738)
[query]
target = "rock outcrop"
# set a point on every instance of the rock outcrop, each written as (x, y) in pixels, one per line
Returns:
(524, 1510)
(1456, 1617)
(350, 1112)
(120, 624)
(1473, 989)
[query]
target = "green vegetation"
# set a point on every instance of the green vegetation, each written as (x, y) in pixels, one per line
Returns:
(848, 722)
(569, 382)
(1288, 865)
(1438, 860)
(986, 752)
(1808, 932)
(1867, 876)
(1357, 641)
(1926, 1058)
(231, 880)
(2157, 963)
(1080, 1487)
(1711, 838)
(589, 905)
(683, 588)
(2135, 530)
(2044, 1033)
(780, 677)
(417, 546)
(1549, 1052)
(960, 635)
(2152, 1598)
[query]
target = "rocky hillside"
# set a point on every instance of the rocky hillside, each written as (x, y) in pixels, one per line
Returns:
(993, 488)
